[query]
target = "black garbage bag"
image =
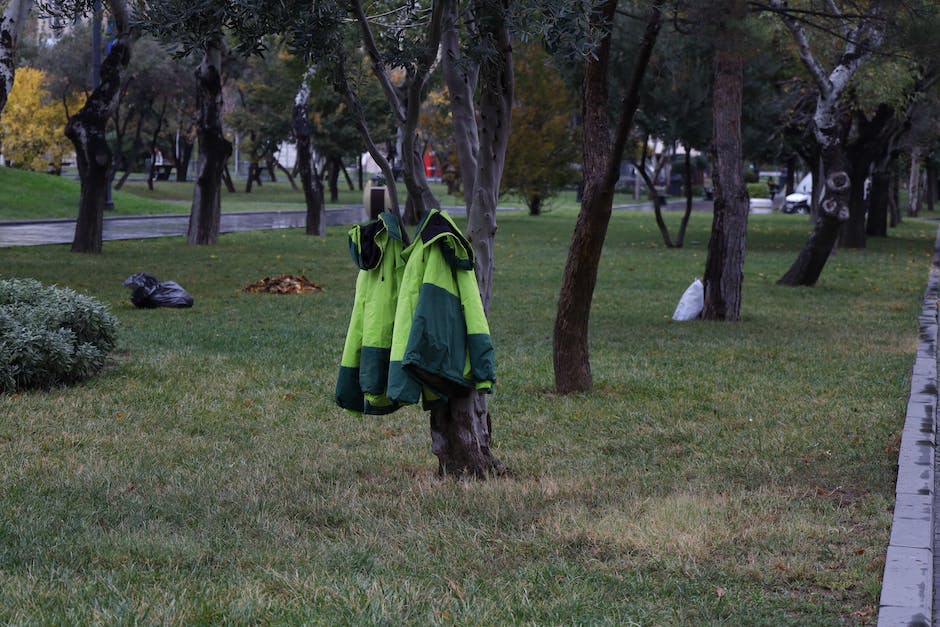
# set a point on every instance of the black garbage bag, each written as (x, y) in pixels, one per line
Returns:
(148, 292)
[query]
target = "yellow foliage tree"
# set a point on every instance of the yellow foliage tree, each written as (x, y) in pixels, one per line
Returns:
(544, 144)
(32, 126)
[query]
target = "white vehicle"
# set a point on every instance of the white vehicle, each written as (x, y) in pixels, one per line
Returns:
(801, 198)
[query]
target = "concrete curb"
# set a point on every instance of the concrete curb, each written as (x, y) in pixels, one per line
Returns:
(907, 589)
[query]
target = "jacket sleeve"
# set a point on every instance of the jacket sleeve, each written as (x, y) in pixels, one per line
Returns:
(348, 390)
(481, 358)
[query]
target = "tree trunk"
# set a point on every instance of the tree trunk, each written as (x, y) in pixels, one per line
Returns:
(877, 225)
(461, 432)
(855, 229)
(913, 187)
(182, 160)
(11, 25)
(461, 79)
(871, 140)
(420, 197)
(931, 191)
(724, 265)
(123, 179)
(349, 181)
(680, 236)
(290, 177)
(214, 150)
(833, 212)
(254, 176)
(657, 203)
(120, 132)
(309, 180)
(332, 178)
(894, 197)
(830, 124)
(227, 179)
(86, 130)
(534, 202)
(269, 166)
(601, 170)
(791, 176)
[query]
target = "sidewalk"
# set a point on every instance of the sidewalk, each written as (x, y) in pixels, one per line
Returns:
(62, 231)
(912, 563)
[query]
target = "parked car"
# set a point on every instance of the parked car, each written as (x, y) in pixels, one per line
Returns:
(802, 197)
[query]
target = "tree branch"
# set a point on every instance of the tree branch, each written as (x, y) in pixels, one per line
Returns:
(799, 34)
(378, 65)
(632, 97)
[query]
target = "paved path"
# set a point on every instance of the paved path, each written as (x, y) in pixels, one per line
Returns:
(35, 232)
(62, 231)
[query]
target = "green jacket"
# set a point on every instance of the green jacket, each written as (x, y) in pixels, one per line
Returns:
(441, 341)
(363, 374)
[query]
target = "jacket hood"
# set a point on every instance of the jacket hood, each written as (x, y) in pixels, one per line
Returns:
(438, 226)
(367, 242)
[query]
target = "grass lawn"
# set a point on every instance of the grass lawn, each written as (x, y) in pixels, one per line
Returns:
(30, 196)
(735, 474)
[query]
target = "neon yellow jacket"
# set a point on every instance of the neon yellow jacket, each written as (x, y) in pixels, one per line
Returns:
(363, 374)
(441, 341)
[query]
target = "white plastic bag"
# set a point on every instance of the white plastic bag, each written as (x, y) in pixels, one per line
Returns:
(692, 302)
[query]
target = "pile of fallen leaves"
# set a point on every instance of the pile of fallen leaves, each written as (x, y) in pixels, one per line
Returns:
(283, 284)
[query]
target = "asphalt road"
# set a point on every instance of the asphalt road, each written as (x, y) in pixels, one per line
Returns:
(62, 231)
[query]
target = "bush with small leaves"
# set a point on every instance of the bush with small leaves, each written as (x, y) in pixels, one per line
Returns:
(50, 335)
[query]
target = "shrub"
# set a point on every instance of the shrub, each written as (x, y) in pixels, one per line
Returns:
(758, 190)
(50, 335)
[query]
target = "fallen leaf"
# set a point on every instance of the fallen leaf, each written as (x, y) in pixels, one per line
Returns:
(455, 588)
(283, 284)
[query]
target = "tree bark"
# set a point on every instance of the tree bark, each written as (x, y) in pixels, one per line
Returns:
(829, 128)
(332, 178)
(930, 172)
(657, 205)
(877, 225)
(833, 212)
(687, 175)
(894, 197)
(461, 77)
(287, 173)
(872, 139)
(309, 181)
(11, 25)
(724, 265)
(227, 179)
(183, 158)
(601, 170)
(461, 431)
(86, 130)
(913, 183)
(214, 150)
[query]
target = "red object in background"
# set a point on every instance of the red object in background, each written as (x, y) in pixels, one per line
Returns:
(430, 164)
